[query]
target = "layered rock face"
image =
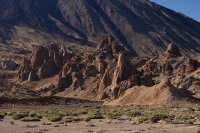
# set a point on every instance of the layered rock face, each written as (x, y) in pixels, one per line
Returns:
(44, 62)
(110, 72)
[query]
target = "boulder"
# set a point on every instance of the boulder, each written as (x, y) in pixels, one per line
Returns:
(8, 64)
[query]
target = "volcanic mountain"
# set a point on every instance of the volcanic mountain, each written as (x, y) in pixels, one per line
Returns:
(140, 25)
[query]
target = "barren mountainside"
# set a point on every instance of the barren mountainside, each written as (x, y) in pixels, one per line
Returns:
(140, 25)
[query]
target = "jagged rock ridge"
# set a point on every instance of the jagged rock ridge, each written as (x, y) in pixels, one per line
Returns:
(112, 74)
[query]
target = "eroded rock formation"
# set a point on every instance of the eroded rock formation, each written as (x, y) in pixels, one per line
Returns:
(44, 62)
(109, 72)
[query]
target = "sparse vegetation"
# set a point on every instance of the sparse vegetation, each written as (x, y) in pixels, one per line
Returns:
(136, 114)
(54, 117)
(95, 114)
(158, 117)
(20, 115)
(2, 115)
(27, 119)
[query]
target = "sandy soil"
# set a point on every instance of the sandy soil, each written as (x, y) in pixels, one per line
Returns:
(96, 126)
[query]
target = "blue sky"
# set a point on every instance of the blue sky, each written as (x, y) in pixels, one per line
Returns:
(190, 8)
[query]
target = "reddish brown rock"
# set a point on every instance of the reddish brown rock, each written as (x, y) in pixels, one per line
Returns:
(108, 44)
(173, 50)
(191, 65)
(109, 72)
(90, 71)
(147, 79)
(100, 65)
(24, 70)
(47, 69)
(149, 66)
(32, 76)
(104, 83)
(123, 71)
(64, 82)
(45, 61)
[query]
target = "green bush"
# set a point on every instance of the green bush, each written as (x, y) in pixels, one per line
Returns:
(32, 114)
(11, 113)
(27, 119)
(95, 115)
(87, 119)
(2, 115)
(158, 117)
(20, 115)
(133, 113)
(53, 117)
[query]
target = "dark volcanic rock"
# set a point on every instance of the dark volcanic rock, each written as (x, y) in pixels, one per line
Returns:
(124, 71)
(139, 25)
(8, 64)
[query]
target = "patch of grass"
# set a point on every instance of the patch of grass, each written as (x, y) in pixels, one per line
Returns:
(32, 114)
(28, 119)
(53, 117)
(133, 113)
(140, 120)
(11, 113)
(95, 115)
(20, 115)
(2, 115)
(113, 114)
(158, 117)
(87, 119)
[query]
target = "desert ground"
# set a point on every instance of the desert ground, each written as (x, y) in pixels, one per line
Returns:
(100, 119)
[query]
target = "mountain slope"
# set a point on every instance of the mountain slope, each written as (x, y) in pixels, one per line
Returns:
(140, 25)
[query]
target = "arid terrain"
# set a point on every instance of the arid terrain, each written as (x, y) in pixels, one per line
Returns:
(102, 66)
(100, 119)
(103, 89)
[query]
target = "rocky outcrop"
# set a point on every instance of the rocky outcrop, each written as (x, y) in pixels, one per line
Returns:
(105, 82)
(100, 64)
(124, 71)
(191, 65)
(160, 94)
(172, 50)
(110, 73)
(8, 64)
(108, 44)
(44, 62)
